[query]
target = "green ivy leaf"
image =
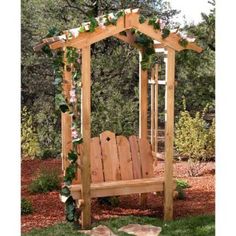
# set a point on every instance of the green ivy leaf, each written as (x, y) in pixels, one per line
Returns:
(165, 33)
(65, 191)
(78, 141)
(64, 108)
(46, 49)
(183, 43)
(93, 24)
(72, 156)
(120, 13)
(156, 25)
(81, 29)
(142, 19)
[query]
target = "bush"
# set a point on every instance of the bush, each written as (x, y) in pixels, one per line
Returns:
(180, 186)
(26, 207)
(46, 181)
(194, 137)
(29, 141)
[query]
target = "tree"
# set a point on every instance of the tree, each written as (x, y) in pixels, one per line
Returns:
(195, 73)
(114, 66)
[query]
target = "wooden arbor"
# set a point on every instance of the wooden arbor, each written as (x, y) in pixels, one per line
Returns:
(83, 41)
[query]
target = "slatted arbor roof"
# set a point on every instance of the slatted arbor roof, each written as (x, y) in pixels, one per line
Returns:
(129, 19)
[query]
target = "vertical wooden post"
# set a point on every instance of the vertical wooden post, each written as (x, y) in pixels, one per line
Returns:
(156, 111)
(66, 119)
(143, 110)
(86, 131)
(143, 100)
(169, 136)
(152, 110)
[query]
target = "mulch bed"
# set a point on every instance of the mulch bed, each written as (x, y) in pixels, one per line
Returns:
(48, 210)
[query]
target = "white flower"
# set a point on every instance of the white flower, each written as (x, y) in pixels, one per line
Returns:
(73, 99)
(162, 24)
(74, 32)
(86, 27)
(74, 134)
(111, 16)
(101, 25)
(72, 93)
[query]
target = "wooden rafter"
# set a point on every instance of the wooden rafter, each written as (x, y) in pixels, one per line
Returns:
(131, 20)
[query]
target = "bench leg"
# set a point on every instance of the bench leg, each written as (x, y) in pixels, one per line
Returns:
(143, 199)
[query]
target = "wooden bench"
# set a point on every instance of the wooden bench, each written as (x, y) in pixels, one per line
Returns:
(119, 166)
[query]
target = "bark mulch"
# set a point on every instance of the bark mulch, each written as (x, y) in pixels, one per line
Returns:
(48, 210)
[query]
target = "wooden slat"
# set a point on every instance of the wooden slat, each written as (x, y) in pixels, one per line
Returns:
(96, 161)
(86, 132)
(126, 168)
(124, 187)
(110, 156)
(146, 158)
(66, 119)
(143, 110)
(143, 99)
(169, 136)
(152, 111)
(135, 157)
(156, 111)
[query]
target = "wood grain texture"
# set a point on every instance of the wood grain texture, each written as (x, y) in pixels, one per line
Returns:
(66, 120)
(143, 99)
(125, 160)
(133, 140)
(152, 110)
(110, 156)
(124, 187)
(146, 158)
(169, 136)
(156, 111)
(96, 161)
(86, 131)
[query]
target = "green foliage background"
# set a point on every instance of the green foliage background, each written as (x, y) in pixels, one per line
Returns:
(114, 68)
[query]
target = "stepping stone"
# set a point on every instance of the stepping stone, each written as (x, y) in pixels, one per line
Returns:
(141, 230)
(100, 230)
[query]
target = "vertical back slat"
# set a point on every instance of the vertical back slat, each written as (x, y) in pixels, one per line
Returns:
(96, 161)
(124, 154)
(110, 156)
(135, 157)
(146, 158)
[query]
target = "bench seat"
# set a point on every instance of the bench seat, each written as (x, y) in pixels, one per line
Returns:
(121, 187)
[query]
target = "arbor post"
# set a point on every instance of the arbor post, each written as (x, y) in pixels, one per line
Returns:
(169, 135)
(86, 133)
(66, 120)
(143, 110)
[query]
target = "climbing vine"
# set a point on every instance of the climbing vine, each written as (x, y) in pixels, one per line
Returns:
(70, 60)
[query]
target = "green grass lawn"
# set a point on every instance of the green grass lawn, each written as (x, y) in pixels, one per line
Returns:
(192, 226)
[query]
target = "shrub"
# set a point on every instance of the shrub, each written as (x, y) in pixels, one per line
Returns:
(194, 137)
(48, 154)
(46, 181)
(180, 186)
(29, 141)
(26, 207)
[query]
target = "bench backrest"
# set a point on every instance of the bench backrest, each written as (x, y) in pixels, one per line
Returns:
(119, 158)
